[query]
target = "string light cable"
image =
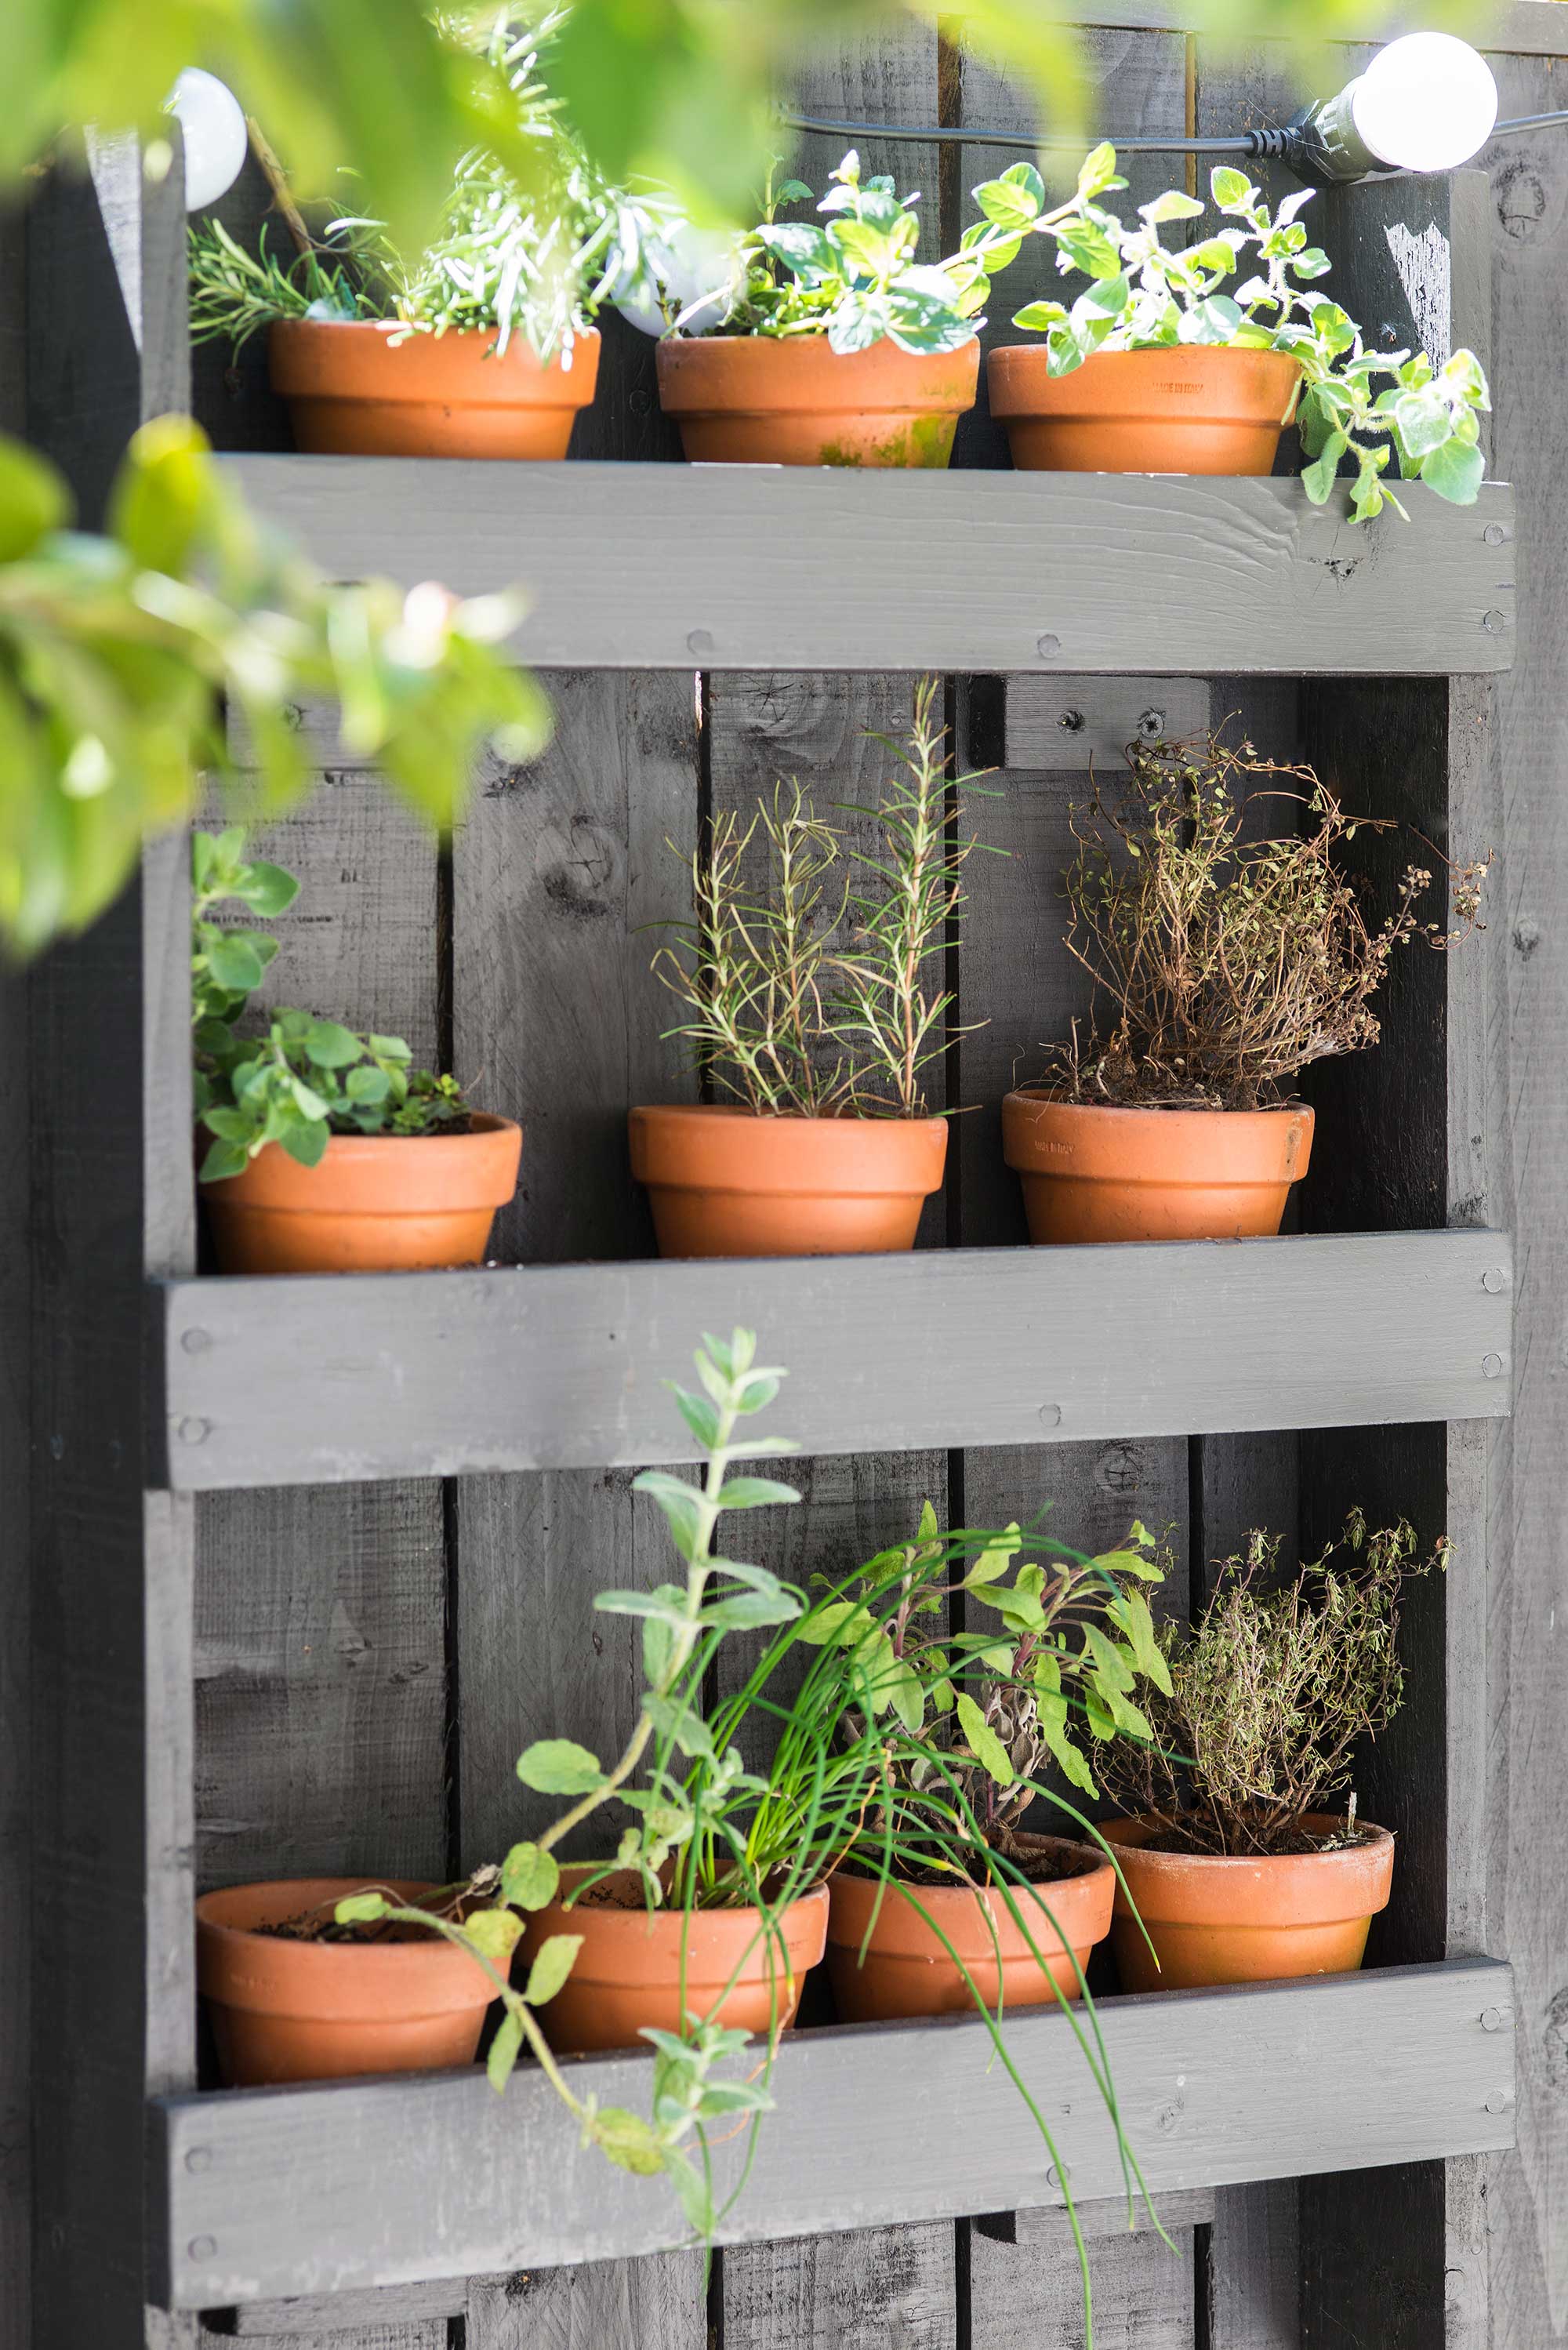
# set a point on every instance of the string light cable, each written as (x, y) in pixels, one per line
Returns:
(1427, 102)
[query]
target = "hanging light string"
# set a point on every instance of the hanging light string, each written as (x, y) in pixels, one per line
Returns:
(1255, 143)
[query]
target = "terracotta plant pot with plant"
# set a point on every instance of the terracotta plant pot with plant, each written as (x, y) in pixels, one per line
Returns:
(835, 345)
(362, 387)
(329, 1152)
(638, 1969)
(900, 1950)
(1237, 1868)
(484, 344)
(322, 2000)
(818, 1010)
(1188, 411)
(1226, 1918)
(944, 1902)
(1230, 956)
(1161, 366)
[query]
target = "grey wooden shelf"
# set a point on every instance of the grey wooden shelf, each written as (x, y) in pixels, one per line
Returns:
(315, 1380)
(267, 2193)
(748, 567)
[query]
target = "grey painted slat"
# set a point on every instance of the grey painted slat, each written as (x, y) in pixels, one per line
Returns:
(561, 1366)
(1516, 27)
(342, 2187)
(721, 566)
(1183, 2206)
(1068, 725)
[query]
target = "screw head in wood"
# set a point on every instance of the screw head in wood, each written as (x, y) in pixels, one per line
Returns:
(202, 2248)
(1491, 1367)
(699, 642)
(195, 1342)
(1494, 623)
(1494, 1279)
(1494, 533)
(1048, 647)
(1071, 722)
(1491, 2019)
(1497, 2102)
(1049, 1415)
(1151, 725)
(192, 1430)
(1060, 2175)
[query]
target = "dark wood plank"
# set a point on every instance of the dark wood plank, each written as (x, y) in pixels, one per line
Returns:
(112, 1996)
(1518, 27)
(721, 566)
(15, 1449)
(313, 2186)
(653, 2301)
(557, 873)
(557, 1368)
(320, 1642)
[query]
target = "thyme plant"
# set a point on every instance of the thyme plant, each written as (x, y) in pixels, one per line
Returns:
(1257, 1718)
(1369, 407)
(807, 997)
(1228, 963)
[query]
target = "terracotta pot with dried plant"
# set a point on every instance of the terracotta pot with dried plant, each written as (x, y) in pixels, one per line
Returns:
(1230, 950)
(1239, 1869)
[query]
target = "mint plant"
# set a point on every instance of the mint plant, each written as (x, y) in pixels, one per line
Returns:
(854, 280)
(1374, 408)
(303, 1080)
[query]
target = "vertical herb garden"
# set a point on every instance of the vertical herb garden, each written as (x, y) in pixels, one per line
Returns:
(766, 1585)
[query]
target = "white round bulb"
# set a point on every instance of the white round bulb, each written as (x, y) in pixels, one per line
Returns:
(216, 137)
(1426, 103)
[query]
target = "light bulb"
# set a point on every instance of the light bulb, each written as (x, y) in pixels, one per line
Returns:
(216, 138)
(688, 263)
(1426, 103)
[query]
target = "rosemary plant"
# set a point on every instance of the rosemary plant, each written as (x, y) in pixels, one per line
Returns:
(533, 257)
(809, 996)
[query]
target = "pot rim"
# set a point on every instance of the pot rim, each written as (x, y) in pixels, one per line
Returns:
(337, 1954)
(618, 1921)
(1040, 1095)
(417, 337)
(707, 1111)
(815, 345)
(1373, 1838)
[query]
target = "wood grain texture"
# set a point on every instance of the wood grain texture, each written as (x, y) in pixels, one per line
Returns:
(1022, 2296)
(663, 567)
(1518, 28)
(328, 2188)
(110, 2009)
(15, 1450)
(894, 2286)
(557, 873)
(558, 1366)
(644, 2303)
(320, 1612)
(1511, 2274)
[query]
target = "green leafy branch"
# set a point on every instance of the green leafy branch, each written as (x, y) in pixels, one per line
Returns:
(1142, 296)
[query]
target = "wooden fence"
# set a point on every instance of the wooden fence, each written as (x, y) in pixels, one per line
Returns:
(311, 1562)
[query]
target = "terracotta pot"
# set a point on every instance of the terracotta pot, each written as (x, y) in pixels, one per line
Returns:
(376, 1203)
(1257, 1919)
(907, 1970)
(723, 1182)
(628, 1970)
(320, 2010)
(1190, 410)
(1099, 1174)
(758, 400)
(352, 392)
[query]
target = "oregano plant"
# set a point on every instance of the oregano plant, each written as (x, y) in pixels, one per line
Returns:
(298, 1080)
(1250, 284)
